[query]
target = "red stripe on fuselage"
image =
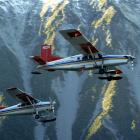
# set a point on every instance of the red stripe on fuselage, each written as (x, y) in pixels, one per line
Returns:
(2, 107)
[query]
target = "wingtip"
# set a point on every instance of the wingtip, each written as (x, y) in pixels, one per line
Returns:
(31, 57)
(11, 88)
(64, 30)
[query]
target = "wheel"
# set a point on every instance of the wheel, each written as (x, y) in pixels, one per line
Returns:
(37, 116)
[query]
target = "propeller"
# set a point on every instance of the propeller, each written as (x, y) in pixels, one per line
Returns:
(131, 60)
(52, 103)
(132, 65)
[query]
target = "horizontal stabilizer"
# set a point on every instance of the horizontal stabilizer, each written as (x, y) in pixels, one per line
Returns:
(38, 59)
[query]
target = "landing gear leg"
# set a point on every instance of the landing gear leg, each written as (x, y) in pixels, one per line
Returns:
(37, 116)
(102, 69)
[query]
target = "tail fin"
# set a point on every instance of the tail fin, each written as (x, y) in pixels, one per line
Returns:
(46, 55)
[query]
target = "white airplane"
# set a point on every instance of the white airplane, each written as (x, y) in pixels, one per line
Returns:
(89, 58)
(29, 106)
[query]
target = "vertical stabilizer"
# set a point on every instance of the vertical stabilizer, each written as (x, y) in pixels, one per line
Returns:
(46, 55)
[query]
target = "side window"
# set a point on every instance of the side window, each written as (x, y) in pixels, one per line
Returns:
(78, 58)
(19, 105)
(90, 57)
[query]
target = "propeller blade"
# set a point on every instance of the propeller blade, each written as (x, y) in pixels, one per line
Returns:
(52, 103)
(132, 65)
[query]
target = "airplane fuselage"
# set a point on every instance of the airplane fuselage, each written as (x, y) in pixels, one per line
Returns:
(28, 109)
(81, 62)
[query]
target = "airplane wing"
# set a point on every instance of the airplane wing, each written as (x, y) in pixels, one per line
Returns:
(21, 95)
(79, 41)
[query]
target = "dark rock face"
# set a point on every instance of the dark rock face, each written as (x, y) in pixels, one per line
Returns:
(87, 108)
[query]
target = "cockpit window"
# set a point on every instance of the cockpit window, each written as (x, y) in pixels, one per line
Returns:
(85, 58)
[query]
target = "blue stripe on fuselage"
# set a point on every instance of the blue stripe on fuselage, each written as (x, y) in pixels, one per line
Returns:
(19, 108)
(74, 61)
(113, 56)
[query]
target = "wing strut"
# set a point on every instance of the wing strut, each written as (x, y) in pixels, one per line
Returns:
(37, 115)
(102, 70)
(93, 56)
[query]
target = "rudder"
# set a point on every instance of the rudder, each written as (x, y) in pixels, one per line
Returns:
(46, 55)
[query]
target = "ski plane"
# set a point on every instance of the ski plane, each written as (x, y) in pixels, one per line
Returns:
(29, 106)
(90, 58)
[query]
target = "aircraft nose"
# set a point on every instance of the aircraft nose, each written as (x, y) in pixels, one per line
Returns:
(130, 57)
(133, 57)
